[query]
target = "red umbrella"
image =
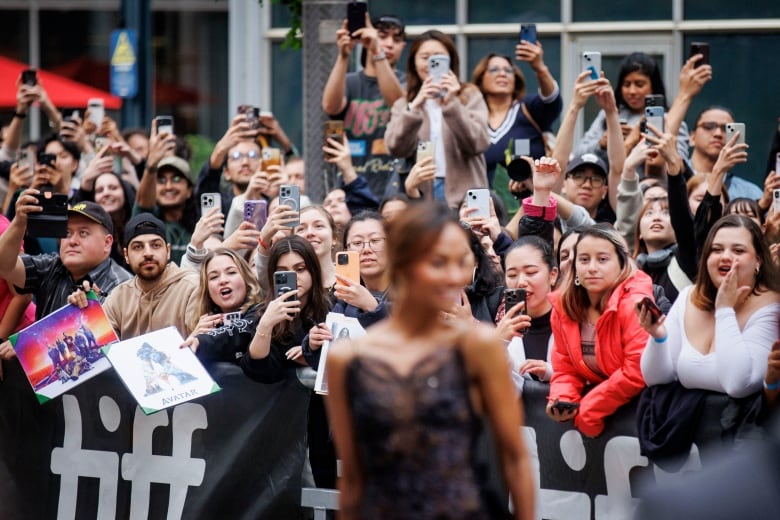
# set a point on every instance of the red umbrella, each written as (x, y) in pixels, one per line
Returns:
(62, 91)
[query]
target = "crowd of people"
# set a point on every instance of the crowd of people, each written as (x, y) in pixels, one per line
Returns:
(644, 265)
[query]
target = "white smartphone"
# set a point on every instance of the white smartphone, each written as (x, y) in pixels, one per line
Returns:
(210, 200)
(424, 149)
(733, 128)
(775, 200)
(522, 147)
(96, 111)
(290, 195)
(591, 61)
(655, 117)
(164, 125)
(438, 65)
(479, 198)
(777, 164)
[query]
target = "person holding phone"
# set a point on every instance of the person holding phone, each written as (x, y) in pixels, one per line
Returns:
(450, 114)
(418, 375)
(512, 114)
(597, 337)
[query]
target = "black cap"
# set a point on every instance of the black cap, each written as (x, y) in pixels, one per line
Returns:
(587, 159)
(389, 20)
(144, 224)
(93, 212)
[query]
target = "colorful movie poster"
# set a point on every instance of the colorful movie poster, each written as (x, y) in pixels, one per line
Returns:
(62, 350)
(158, 372)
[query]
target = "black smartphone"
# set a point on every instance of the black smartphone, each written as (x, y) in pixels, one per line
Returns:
(654, 100)
(285, 281)
(356, 16)
(565, 406)
(703, 49)
(514, 296)
(53, 220)
(655, 312)
(528, 32)
(30, 77)
(47, 159)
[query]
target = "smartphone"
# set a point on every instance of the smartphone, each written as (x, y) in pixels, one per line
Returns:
(30, 77)
(229, 317)
(654, 100)
(438, 65)
(480, 199)
(47, 159)
(101, 142)
(777, 163)
(210, 200)
(775, 200)
(96, 111)
(116, 166)
(703, 49)
(424, 149)
(528, 32)
(655, 116)
(256, 212)
(74, 115)
(25, 159)
(356, 16)
(565, 406)
(649, 304)
(733, 128)
(290, 195)
(285, 281)
(271, 157)
(514, 296)
(252, 115)
(348, 265)
(164, 124)
(53, 220)
(591, 62)
(333, 129)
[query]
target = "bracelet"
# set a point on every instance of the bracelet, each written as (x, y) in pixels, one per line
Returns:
(263, 243)
(774, 386)
(662, 340)
(379, 57)
(19, 116)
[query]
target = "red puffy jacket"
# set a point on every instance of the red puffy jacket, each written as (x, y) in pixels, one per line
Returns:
(619, 345)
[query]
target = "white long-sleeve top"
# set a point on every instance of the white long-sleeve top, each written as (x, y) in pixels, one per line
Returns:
(735, 366)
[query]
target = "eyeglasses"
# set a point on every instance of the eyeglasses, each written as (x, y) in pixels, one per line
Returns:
(374, 244)
(175, 179)
(251, 155)
(597, 181)
(506, 70)
(710, 127)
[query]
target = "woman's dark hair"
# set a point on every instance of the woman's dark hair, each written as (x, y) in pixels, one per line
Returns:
(545, 248)
(398, 196)
(69, 146)
(639, 243)
(481, 69)
(704, 291)
(361, 217)
(745, 206)
(486, 278)
(413, 81)
(708, 109)
(571, 231)
(574, 296)
(317, 304)
(644, 64)
(121, 216)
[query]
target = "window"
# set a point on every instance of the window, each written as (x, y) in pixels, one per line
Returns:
(500, 11)
(600, 11)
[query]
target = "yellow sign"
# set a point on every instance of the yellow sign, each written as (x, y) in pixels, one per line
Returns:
(123, 52)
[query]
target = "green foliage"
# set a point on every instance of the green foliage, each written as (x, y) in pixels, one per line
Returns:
(201, 150)
(501, 187)
(294, 37)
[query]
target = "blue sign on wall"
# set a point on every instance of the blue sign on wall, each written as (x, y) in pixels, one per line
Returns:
(124, 64)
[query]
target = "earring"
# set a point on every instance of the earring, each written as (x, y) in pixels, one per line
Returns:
(576, 280)
(758, 269)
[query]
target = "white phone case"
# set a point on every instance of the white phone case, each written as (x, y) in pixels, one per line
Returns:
(733, 128)
(480, 199)
(591, 61)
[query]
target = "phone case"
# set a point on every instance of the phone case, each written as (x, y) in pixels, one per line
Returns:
(53, 220)
(513, 297)
(528, 32)
(356, 16)
(733, 128)
(164, 124)
(703, 49)
(271, 157)
(96, 111)
(333, 129)
(480, 199)
(775, 200)
(655, 117)
(591, 61)
(210, 200)
(256, 212)
(438, 65)
(290, 195)
(424, 149)
(348, 265)
(285, 281)
(522, 147)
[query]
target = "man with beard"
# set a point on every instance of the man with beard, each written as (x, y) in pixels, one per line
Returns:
(160, 294)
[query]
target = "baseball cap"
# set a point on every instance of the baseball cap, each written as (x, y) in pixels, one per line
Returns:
(93, 212)
(144, 224)
(588, 159)
(178, 164)
(387, 21)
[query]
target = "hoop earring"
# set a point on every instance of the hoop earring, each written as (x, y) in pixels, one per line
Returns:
(576, 280)
(758, 269)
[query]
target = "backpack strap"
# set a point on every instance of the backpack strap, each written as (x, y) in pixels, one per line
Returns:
(547, 148)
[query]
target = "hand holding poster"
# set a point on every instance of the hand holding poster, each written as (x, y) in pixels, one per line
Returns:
(158, 372)
(340, 327)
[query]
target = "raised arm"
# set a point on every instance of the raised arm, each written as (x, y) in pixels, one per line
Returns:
(605, 97)
(160, 146)
(389, 86)
(11, 266)
(692, 79)
(334, 99)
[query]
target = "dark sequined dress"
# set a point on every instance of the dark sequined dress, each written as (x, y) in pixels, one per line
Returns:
(415, 437)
